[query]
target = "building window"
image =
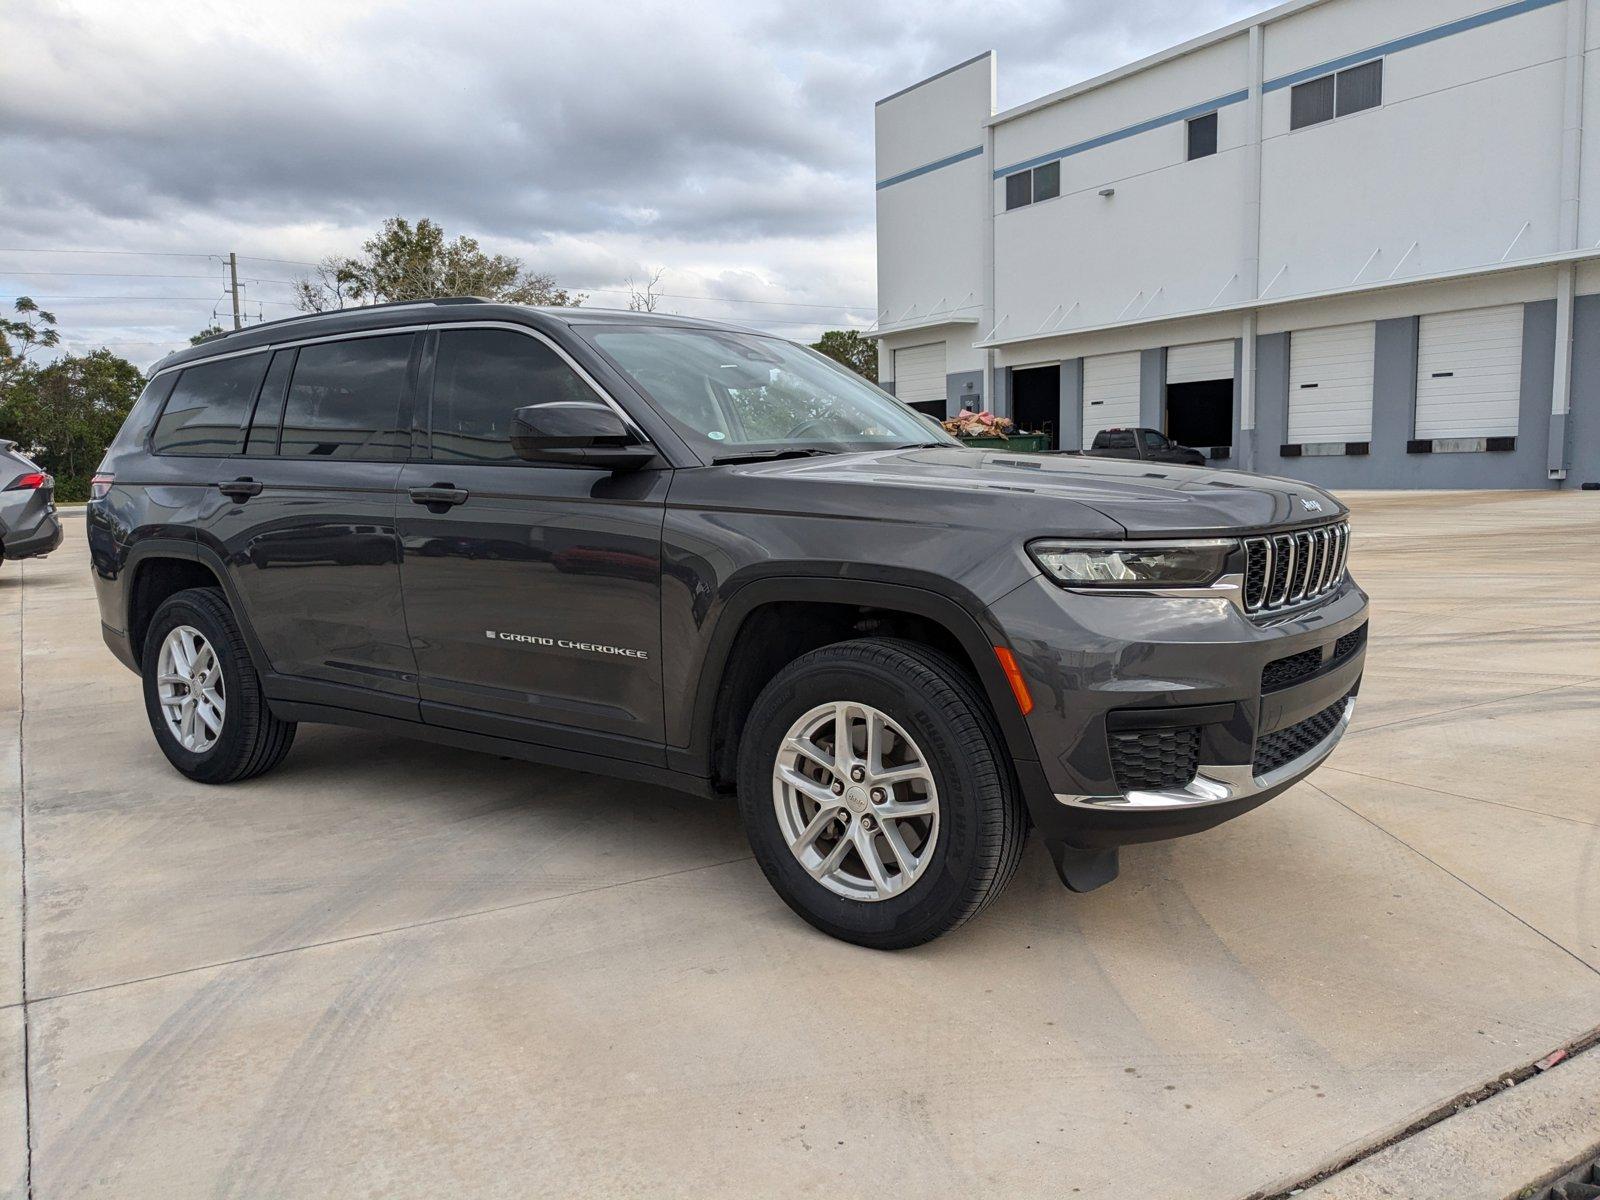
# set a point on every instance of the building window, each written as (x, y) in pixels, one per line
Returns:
(1348, 91)
(1019, 189)
(1046, 182)
(1029, 187)
(1360, 87)
(1203, 136)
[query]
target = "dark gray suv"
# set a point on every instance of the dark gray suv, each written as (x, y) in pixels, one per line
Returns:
(680, 552)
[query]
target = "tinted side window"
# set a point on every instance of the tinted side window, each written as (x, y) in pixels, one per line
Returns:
(344, 401)
(480, 378)
(1118, 439)
(1154, 441)
(262, 441)
(206, 413)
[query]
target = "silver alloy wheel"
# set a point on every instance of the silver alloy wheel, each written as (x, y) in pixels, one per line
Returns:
(189, 686)
(856, 801)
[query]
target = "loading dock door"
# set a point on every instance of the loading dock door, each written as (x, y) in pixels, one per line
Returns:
(1199, 396)
(1330, 384)
(1110, 393)
(919, 378)
(1195, 364)
(1469, 373)
(1036, 401)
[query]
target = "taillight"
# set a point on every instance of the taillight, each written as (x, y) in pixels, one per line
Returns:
(100, 486)
(29, 482)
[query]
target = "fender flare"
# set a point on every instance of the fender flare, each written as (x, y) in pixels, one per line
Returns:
(191, 551)
(976, 633)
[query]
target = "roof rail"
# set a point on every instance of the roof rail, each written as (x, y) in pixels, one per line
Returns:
(337, 312)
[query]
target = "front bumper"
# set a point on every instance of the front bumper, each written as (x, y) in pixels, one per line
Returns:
(1100, 664)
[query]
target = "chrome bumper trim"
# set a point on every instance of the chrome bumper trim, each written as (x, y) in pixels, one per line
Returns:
(1218, 784)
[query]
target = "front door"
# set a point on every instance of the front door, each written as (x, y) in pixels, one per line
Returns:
(304, 518)
(532, 591)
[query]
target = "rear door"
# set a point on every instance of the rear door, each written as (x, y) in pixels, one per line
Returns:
(533, 593)
(304, 518)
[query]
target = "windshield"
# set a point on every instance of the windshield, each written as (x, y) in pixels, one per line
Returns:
(737, 394)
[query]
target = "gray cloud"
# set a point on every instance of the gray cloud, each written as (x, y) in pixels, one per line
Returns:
(729, 142)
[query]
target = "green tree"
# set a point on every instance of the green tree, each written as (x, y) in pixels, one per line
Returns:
(64, 414)
(205, 335)
(415, 262)
(850, 348)
(32, 329)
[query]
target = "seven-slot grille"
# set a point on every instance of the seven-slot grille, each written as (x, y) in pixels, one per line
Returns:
(1287, 569)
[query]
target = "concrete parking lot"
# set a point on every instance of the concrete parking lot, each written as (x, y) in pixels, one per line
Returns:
(391, 969)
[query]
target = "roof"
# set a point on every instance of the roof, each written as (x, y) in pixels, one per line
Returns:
(442, 309)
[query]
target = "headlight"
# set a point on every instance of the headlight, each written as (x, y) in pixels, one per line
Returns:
(1191, 563)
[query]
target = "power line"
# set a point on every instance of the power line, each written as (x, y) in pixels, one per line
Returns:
(292, 262)
(140, 253)
(150, 299)
(7, 273)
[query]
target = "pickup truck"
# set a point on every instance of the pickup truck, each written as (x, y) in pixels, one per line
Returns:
(1149, 444)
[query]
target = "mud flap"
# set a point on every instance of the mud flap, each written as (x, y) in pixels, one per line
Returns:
(1083, 870)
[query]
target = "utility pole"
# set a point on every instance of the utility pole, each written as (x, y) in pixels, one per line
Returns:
(233, 284)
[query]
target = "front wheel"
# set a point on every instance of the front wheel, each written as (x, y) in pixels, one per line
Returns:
(202, 693)
(876, 795)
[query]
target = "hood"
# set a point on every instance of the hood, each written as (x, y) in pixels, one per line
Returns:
(1145, 499)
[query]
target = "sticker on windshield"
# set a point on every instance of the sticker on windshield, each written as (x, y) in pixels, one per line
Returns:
(716, 435)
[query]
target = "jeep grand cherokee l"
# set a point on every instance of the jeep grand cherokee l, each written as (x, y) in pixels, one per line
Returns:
(681, 552)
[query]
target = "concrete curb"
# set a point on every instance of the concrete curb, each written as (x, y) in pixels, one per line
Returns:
(1516, 1140)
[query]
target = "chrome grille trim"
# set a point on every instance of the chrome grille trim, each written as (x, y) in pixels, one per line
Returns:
(1295, 568)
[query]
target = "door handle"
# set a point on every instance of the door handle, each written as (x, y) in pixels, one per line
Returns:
(240, 489)
(442, 495)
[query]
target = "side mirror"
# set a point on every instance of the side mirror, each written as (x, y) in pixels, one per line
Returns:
(577, 433)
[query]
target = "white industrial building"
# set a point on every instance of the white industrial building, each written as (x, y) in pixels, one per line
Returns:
(1344, 240)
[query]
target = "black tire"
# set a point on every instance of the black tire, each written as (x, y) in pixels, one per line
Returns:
(252, 740)
(982, 822)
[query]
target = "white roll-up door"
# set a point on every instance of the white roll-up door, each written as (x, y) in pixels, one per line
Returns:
(1206, 360)
(919, 374)
(1469, 373)
(1110, 393)
(1330, 384)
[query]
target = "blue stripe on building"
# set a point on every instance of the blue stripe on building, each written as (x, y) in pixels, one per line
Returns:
(1448, 29)
(926, 167)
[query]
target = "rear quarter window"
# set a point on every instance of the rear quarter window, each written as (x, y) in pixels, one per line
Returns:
(206, 413)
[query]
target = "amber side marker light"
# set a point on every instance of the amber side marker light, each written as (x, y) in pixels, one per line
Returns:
(1019, 685)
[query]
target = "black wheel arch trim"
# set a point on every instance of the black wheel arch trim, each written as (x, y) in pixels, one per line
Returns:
(977, 635)
(188, 550)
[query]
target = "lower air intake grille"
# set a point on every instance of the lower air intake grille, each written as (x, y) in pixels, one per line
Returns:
(1286, 745)
(1349, 642)
(1148, 760)
(1281, 671)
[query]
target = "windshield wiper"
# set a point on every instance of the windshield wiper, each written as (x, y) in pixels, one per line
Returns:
(769, 455)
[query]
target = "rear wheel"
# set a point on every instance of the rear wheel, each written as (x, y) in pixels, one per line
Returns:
(875, 793)
(202, 693)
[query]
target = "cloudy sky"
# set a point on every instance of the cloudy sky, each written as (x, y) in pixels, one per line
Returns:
(727, 141)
